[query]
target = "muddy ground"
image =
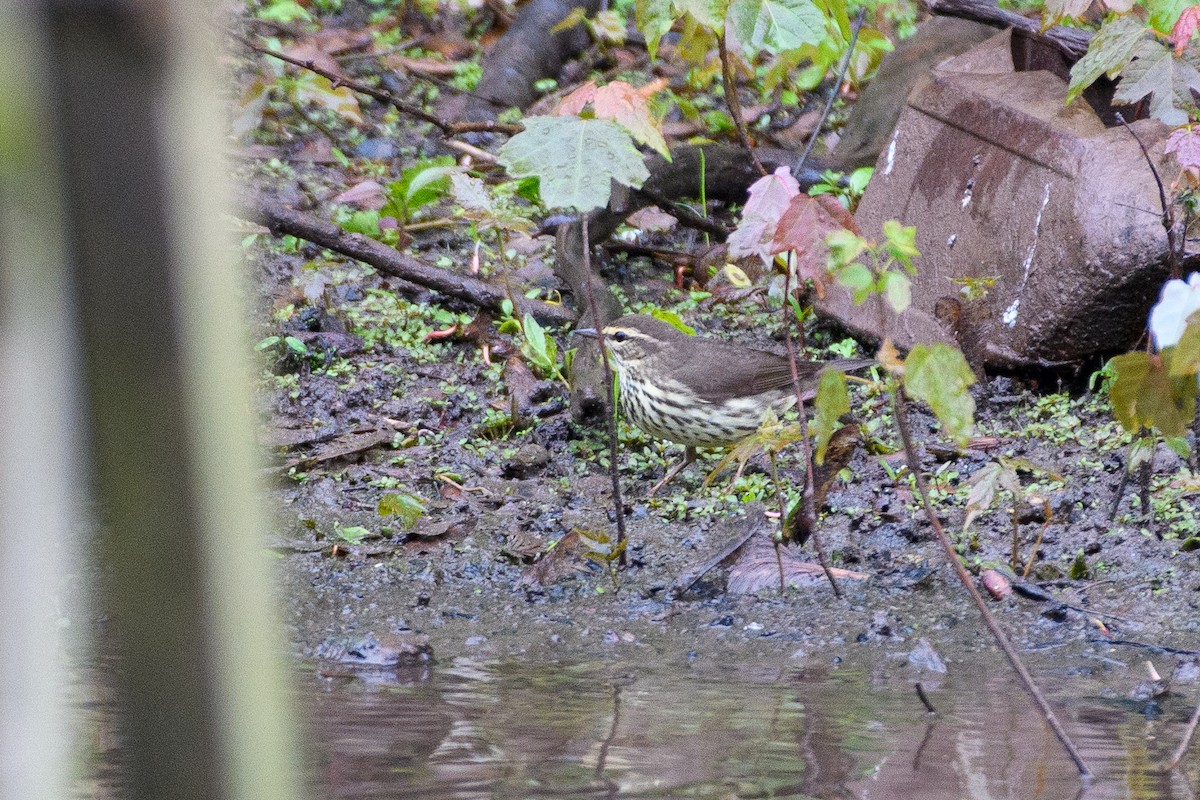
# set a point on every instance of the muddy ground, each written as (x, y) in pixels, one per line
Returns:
(495, 565)
(507, 557)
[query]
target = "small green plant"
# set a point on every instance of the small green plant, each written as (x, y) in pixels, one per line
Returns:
(404, 507)
(538, 348)
(848, 189)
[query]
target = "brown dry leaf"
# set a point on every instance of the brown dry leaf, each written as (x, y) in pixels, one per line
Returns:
(652, 219)
(623, 104)
(368, 194)
(757, 568)
(350, 443)
(802, 229)
(424, 66)
(889, 357)
(521, 382)
(308, 50)
(1185, 144)
(562, 561)
(577, 100)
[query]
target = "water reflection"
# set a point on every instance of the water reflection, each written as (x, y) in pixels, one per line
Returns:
(515, 730)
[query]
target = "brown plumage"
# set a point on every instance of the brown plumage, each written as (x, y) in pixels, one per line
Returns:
(701, 392)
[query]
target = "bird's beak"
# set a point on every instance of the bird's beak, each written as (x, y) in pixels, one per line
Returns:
(588, 332)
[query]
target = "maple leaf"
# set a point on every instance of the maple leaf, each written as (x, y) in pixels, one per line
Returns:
(1185, 144)
(1185, 26)
(623, 104)
(1169, 81)
(802, 228)
(1109, 51)
(1057, 10)
(770, 196)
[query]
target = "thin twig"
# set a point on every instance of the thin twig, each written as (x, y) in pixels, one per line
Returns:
(1168, 216)
(273, 214)
(858, 23)
(1188, 733)
(447, 128)
(914, 466)
(614, 446)
(807, 502)
(783, 514)
(728, 80)
(924, 698)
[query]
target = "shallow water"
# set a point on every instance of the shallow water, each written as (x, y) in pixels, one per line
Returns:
(505, 729)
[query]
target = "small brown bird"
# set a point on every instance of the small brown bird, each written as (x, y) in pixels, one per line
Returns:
(700, 392)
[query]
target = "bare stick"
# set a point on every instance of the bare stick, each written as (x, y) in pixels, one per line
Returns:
(1072, 41)
(1188, 733)
(924, 698)
(390, 261)
(447, 128)
(841, 76)
(807, 502)
(614, 446)
(910, 453)
(1168, 216)
(728, 80)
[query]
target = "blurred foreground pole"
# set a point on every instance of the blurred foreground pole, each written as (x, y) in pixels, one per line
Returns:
(37, 485)
(136, 126)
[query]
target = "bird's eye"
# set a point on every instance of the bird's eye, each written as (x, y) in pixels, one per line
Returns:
(620, 336)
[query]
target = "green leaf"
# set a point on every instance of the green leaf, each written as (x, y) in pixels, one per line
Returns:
(832, 400)
(844, 246)
(857, 181)
(938, 375)
(1163, 13)
(268, 342)
(283, 11)
(901, 242)
(858, 279)
(654, 19)
(983, 484)
(535, 335)
(575, 159)
(708, 13)
(1169, 80)
(1143, 394)
(673, 319)
(775, 26)
(1184, 357)
(353, 534)
(1109, 52)
(364, 222)
(405, 507)
(421, 184)
(897, 289)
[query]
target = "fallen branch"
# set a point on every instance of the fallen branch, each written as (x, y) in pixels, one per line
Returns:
(1010, 652)
(392, 262)
(1072, 41)
(1186, 740)
(337, 79)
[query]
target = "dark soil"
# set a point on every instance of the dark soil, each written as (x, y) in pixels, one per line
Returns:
(508, 557)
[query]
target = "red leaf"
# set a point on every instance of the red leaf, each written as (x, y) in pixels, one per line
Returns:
(1185, 144)
(803, 228)
(1185, 26)
(368, 194)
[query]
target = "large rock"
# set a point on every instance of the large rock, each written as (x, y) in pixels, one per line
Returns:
(1003, 180)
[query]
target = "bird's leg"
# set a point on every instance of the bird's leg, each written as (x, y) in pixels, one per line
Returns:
(689, 455)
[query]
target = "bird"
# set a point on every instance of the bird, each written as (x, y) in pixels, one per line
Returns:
(700, 392)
